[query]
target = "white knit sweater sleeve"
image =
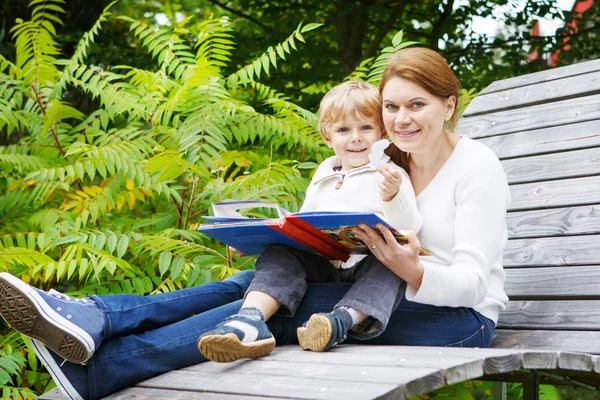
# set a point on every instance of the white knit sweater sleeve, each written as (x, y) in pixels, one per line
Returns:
(401, 212)
(481, 196)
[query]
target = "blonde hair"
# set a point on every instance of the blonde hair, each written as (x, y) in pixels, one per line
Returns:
(351, 98)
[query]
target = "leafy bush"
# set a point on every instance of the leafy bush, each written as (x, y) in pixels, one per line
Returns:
(106, 202)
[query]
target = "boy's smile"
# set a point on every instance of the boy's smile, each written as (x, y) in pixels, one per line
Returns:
(352, 138)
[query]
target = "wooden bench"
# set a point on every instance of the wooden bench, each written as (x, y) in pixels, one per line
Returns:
(545, 127)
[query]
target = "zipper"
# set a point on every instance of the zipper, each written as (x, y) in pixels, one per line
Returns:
(340, 182)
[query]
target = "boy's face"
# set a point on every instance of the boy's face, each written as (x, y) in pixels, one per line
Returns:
(352, 138)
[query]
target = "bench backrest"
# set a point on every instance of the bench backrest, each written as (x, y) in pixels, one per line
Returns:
(545, 128)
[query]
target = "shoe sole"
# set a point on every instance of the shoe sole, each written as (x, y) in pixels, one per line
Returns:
(229, 348)
(25, 310)
(316, 335)
(54, 370)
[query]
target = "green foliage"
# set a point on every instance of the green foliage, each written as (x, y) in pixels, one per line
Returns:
(107, 201)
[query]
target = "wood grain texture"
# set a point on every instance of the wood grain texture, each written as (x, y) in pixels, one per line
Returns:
(565, 221)
(562, 165)
(571, 341)
(547, 140)
(363, 373)
(560, 193)
(575, 361)
(553, 251)
(542, 76)
(551, 314)
(139, 393)
(578, 86)
(270, 386)
(529, 118)
(553, 282)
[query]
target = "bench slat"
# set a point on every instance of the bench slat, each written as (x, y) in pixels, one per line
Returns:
(551, 315)
(270, 386)
(553, 251)
(557, 138)
(543, 92)
(554, 222)
(529, 118)
(364, 373)
(542, 76)
(559, 193)
(139, 393)
(568, 164)
(553, 282)
(576, 341)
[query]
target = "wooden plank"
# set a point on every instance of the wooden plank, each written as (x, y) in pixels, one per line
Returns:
(269, 386)
(543, 76)
(53, 394)
(579, 86)
(551, 314)
(567, 192)
(553, 282)
(568, 164)
(529, 118)
(545, 252)
(572, 341)
(363, 373)
(539, 141)
(139, 393)
(554, 222)
(575, 361)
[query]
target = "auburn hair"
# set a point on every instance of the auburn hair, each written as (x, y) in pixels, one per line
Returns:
(427, 69)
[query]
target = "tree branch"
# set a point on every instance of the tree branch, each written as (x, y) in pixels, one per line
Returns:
(248, 17)
(438, 26)
(502, 43)
(373, 46)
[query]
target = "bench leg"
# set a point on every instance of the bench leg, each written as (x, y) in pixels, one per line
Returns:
(499, 390)
(531, 386)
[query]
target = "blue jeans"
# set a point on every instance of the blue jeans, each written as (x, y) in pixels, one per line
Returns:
(150, 335)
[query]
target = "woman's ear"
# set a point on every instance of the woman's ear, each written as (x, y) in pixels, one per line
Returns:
(450, 107)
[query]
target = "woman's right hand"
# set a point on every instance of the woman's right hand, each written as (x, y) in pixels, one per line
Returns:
(403, 260)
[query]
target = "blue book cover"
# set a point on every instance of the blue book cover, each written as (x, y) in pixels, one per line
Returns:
(326, 233)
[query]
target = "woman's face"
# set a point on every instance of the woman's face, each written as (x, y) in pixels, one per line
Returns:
(414, 118)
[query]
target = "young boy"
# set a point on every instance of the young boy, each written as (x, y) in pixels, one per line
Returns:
(350, 123)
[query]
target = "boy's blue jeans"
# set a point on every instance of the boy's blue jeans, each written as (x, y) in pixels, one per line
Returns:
(149, 335)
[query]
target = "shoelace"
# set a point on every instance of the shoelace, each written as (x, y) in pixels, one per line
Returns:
(63, 296)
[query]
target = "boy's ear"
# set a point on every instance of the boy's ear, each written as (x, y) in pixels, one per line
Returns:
(327, 141)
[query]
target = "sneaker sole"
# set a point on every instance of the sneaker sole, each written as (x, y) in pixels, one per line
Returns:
(54, 370)
(229, 348)
(316, 334)
(25, 310)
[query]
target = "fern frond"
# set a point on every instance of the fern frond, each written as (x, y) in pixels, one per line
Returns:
(116, 96)
(214, 44)
(80, 52)
(23, 163)
(252, 71)
(378, 66)
(173, 55)
(10, 256)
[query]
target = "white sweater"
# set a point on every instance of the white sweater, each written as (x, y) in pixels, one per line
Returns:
(464, 226)
(359, 192)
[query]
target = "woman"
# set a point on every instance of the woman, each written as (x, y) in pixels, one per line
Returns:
(452, 299)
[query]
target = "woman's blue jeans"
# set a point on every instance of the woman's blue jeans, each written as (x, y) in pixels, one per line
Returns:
(149, 335)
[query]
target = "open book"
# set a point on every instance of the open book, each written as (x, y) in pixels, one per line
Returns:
(326, 233)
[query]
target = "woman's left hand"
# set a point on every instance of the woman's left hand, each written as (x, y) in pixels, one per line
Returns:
(403, 260)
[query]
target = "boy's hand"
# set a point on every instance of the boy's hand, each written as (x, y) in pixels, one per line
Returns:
(390, 184)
